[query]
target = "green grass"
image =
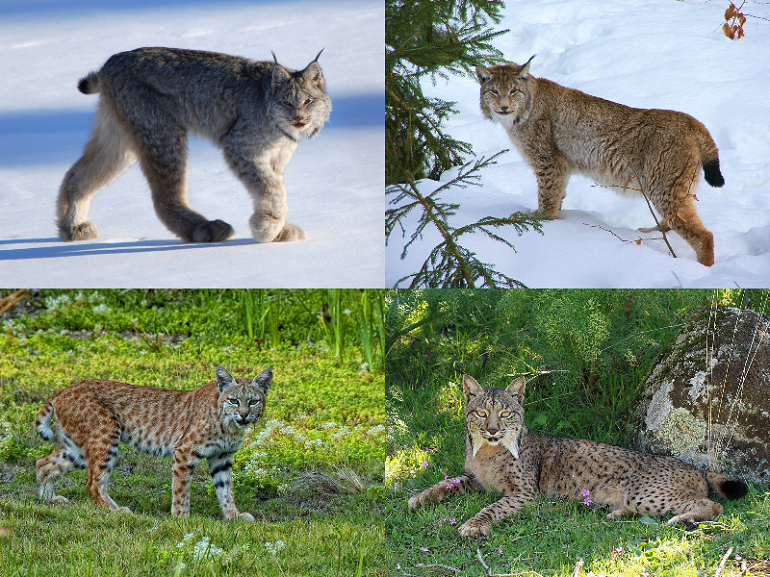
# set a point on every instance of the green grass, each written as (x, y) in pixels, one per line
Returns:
(591, 350)
(311, 471)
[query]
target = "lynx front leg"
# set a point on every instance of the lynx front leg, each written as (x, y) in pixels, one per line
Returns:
(221, 468)
(552, 177)
(480, 525)
(69, 458)
(457, 486)
(262, 174)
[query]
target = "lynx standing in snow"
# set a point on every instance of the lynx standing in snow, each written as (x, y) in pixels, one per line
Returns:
(503, 455)
(151, 98)
(560, 131)
(208, 423)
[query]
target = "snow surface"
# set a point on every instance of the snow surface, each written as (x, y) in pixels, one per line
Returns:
(645, 54)
(334, 182)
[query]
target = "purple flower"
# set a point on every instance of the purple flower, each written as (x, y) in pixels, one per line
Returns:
(586, 500)
(424, 464)
(446, 475)
(499, 550)
(425, 549)
(453, 522)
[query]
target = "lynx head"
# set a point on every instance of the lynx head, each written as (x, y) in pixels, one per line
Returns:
(494, 416)
(299, 103)
(506, 93)
(242, 401)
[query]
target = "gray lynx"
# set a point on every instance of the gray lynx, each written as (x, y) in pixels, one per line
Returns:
(503, 455)
(208, 423)
(560, 131)
(256, 112)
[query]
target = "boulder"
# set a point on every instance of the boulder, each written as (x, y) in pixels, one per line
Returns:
(707, 400)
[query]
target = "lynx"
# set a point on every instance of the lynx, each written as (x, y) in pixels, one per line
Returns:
(208, 423)
(256, 112)
(560, 131)
(503, 455)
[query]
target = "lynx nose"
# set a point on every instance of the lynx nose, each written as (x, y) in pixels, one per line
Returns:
(492, 430)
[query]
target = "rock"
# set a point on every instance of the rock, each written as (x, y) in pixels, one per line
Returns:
(707, 400)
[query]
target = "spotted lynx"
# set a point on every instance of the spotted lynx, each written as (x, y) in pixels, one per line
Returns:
(560, 131)
(503, 455)
(209, 423)
(256, 112)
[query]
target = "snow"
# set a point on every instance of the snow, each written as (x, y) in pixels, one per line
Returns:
(334, 182)
(645, 54)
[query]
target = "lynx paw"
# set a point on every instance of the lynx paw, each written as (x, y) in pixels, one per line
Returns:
(84, 231)
(212, 231)
(473, 528)
(414, 503)
(245, 517)
(290, 232)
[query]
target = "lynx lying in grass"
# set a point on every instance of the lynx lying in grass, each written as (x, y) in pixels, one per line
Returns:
(560, 131)
(503, 455)
(208, 423)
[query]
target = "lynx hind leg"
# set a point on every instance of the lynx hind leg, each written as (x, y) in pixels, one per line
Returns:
(101, 449)
(164, 163)
(68, 458)
(108, 154)
(453, 486)
(695, 509)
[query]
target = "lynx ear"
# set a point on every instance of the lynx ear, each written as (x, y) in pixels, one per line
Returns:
(312, 72)
(482, 74)
(280, 76)
(471, 387)
(262, 380)
(525, 68)
(517, 386)
(224, 379)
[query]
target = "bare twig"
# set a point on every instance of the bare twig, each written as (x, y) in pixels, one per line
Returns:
(662, 229)
(723, 561)
(12, 300)
(578, 567)
(481, 560)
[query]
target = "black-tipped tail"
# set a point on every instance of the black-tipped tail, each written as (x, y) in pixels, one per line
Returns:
(713, 175)
(734, 489)
(89, 84)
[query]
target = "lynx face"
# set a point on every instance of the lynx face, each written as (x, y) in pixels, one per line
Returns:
(493, 417)
(241, 401)
(506, 93)
(300, 107)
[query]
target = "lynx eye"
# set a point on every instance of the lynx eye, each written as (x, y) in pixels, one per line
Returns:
(308, 101)
(494, 92)
(233, 401)
(286, 103)
(514, 91)
(505, 414)
(480, 413)
(253, 402)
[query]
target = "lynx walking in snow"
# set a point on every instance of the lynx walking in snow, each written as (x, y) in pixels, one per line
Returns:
(151, 98)
(208, 423)
(560, 131)
(503, 455)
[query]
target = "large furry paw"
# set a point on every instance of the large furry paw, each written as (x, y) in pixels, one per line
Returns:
(84, 231)
(290, 232)
(245, 517)
(415, 503)
(212, 231)
(475, 528)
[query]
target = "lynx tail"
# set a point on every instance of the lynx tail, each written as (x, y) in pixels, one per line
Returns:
(725, 487)
(43, 421)
(89, 84)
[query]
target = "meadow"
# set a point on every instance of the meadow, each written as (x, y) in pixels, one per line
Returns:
(310, 471)
(590, 351)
